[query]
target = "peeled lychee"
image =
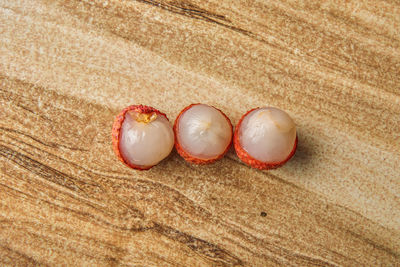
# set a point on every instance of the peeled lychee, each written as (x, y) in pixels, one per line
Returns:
(142, 136)
(203, 134)
(265, 138)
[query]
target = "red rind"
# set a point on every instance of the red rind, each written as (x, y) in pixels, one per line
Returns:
(249, 160)
(184, 154)
(116, 131)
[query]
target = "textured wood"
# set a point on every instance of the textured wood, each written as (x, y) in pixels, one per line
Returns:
(68, 67)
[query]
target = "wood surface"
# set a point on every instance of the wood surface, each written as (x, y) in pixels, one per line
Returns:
(68, 67)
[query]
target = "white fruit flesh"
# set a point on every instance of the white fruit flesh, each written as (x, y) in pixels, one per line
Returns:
(145, 143)
(268, 134)
(204, 132)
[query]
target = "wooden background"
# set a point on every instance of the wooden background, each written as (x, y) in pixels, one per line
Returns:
(68, 67)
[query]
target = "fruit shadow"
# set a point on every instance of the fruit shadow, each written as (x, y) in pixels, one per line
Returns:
(304, 152)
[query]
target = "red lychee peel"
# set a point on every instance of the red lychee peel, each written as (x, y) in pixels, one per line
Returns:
(184, 154)
(116, 131)
(249, 160)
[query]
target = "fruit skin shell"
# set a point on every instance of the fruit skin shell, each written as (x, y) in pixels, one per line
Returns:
(249, 160)
(116, 131)
(186, 155)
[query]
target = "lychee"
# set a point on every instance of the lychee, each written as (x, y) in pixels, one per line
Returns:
(203, 134)
(265, 138)
(142, 136)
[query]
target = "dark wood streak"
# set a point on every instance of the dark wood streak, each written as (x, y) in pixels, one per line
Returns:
(81, 214)
(48, 144)
(185, 8)
(200, 14)
(31, 224)
(44, 171)
(22, 148)
(45, 239)
(344, 19)
(191, 8)
(374, 244)
(287, 254)
(90, 172)
(200, 246)
(21, 256)
(29, 228)
(34, 113)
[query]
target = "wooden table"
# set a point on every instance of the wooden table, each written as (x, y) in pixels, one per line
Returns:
(68, 67)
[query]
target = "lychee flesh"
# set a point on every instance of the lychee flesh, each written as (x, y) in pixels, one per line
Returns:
(145, 137)
(203, 133)
(265, 137)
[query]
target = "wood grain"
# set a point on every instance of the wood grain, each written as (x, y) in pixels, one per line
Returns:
(68, 67)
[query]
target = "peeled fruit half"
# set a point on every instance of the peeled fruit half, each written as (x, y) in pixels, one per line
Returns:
(142, 136)
(203, 134)
(265, 138)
